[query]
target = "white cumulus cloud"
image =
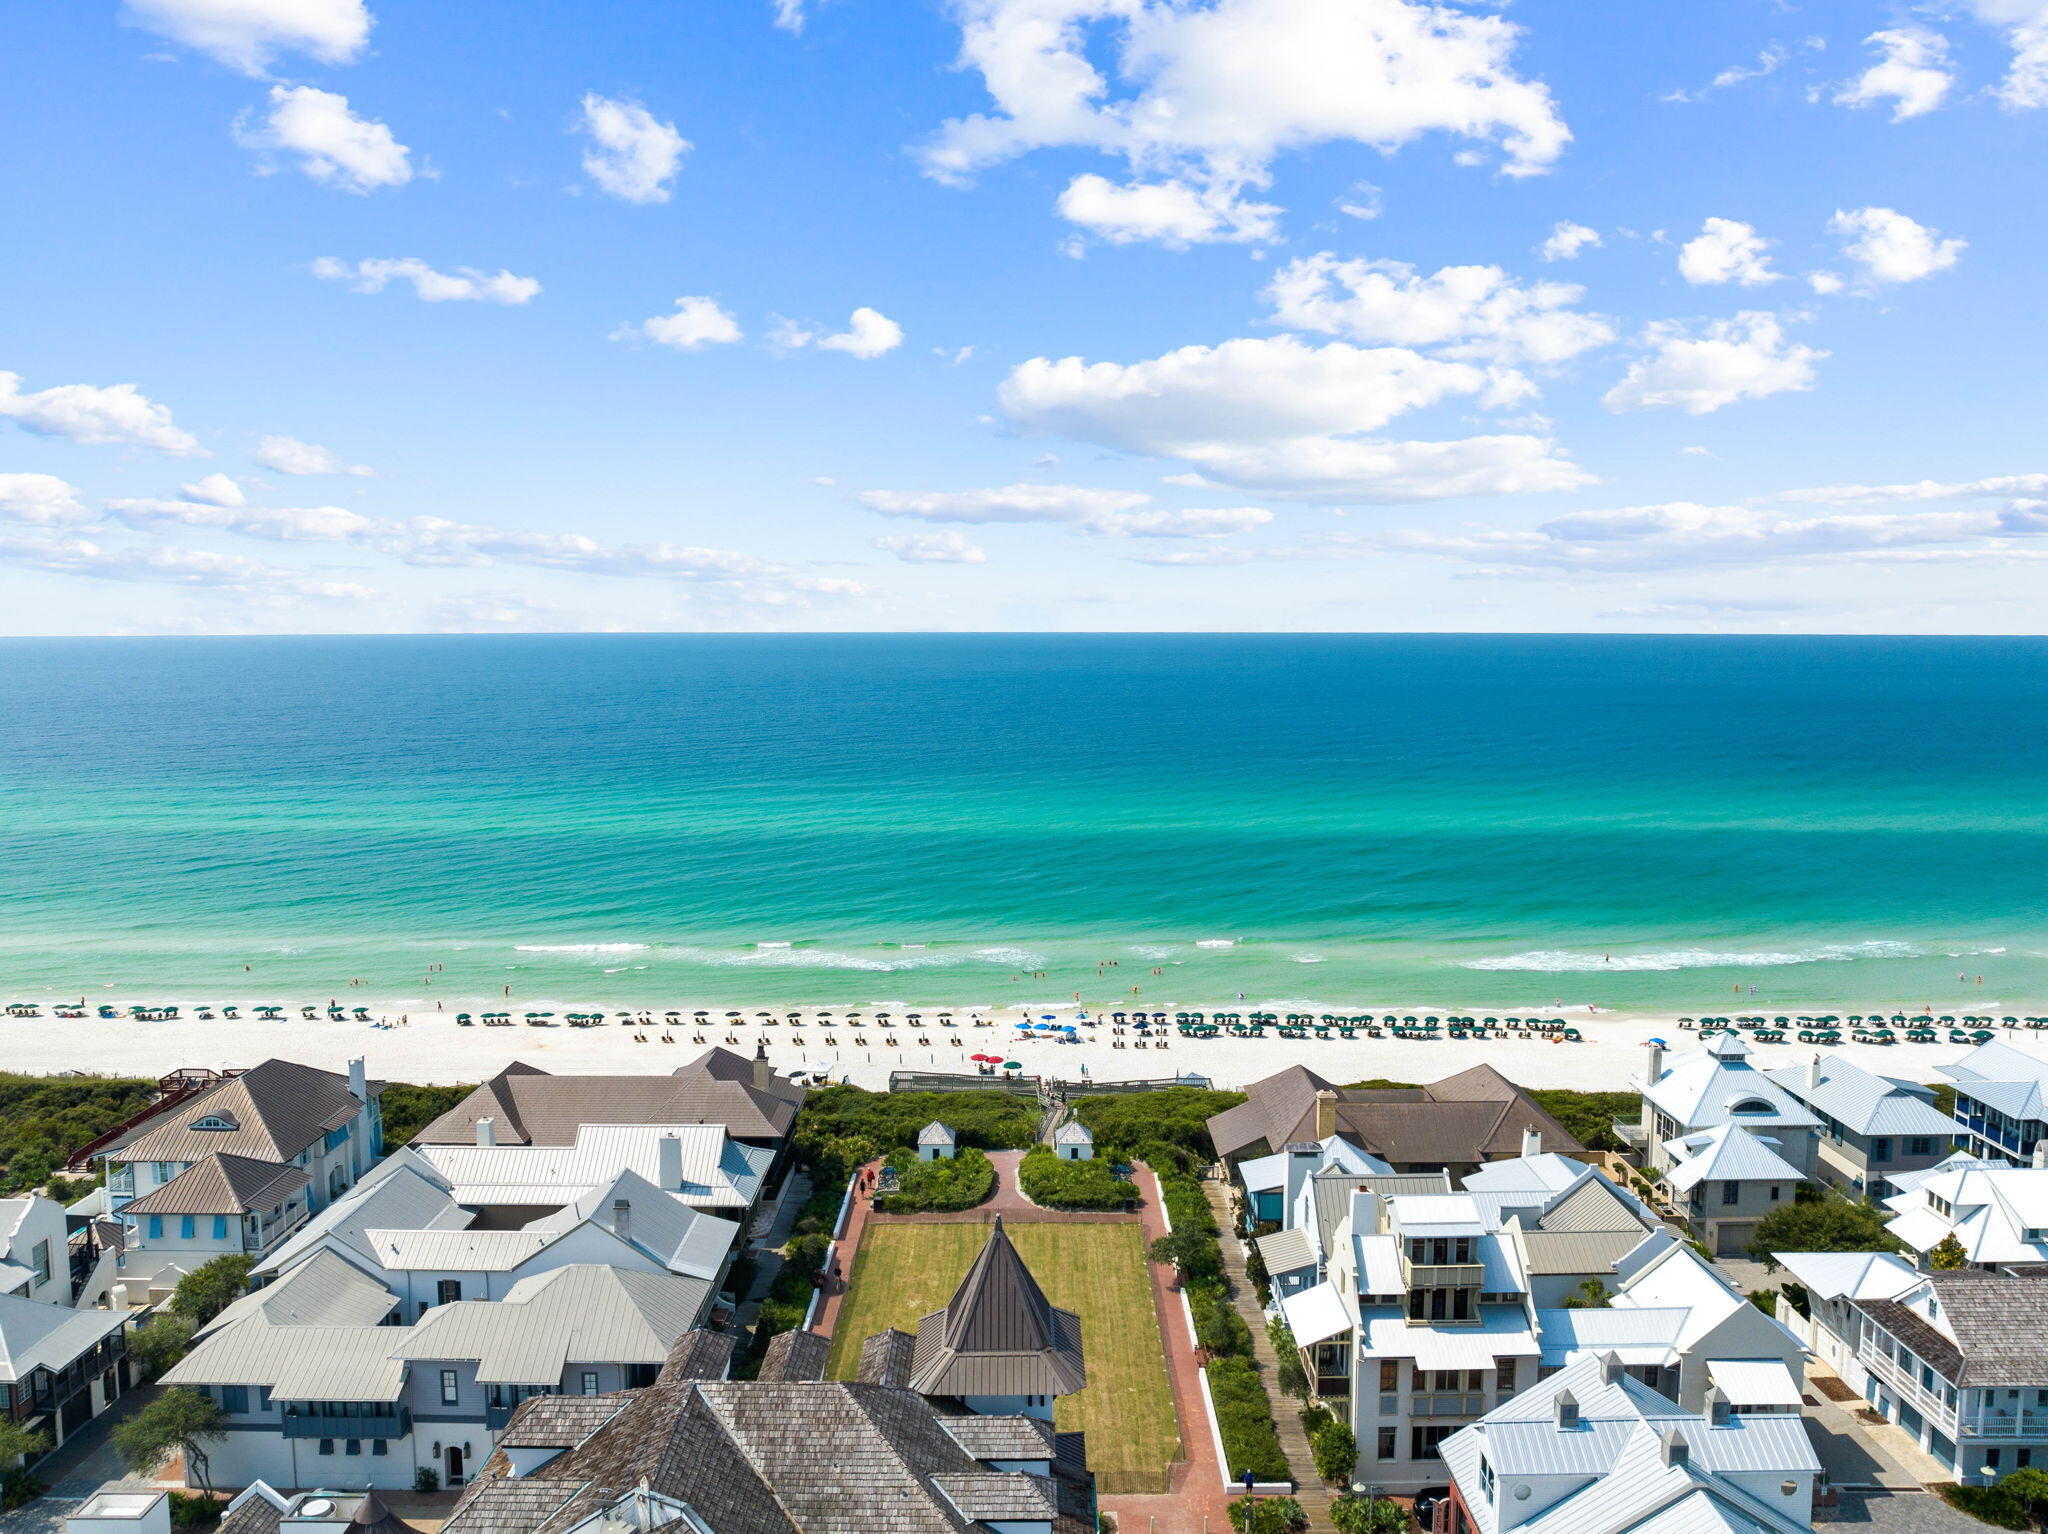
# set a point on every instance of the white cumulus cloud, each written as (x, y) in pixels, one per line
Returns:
(1892, 248)
(2025, 23)
(698, 322)
(1285, 418)
(1208, 96)
(332, 145)
(117, 413)
(867, 335)
(633, 154)
(214, 490)
(1174, 213)
(288, 455)
(1107, 513)
(1474, 312)
(1997, 485)
(1912, 73)
(1567, 240)
(463, 285)
(249, 34)
(1740, 359)
(944, 548)
(40, 500)
(165, 564)
(1726, 250)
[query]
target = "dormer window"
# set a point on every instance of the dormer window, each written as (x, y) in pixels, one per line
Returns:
(1940, 1206)
(1751, 1105)
(215, 1121)
(1567, 1406)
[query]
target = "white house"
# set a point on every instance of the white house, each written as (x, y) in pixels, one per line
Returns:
(1997, 1212)
(1591, 1450)
(1832, 1328)
(1872, 1128)
(935, 1142)
(35, 1253)
(1727, 1179)
(2001, 1102)
(59, 1367)
(1073, 1142)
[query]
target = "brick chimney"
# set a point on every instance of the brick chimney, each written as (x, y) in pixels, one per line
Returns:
(1326, 1114)
(487, 1131)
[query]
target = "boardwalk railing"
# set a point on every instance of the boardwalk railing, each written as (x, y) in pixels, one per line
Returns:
(1015, 1082)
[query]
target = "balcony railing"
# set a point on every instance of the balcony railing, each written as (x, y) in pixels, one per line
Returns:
(395, 1424)
(1443, 1275)
(2023, 1423)
(1942, 1413)
(1446, 1404)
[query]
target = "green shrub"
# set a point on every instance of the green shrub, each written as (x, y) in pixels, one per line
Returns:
(1313, 1417)
(1267, 1515)
(1053, 1183)
(841, 1128)
(1244, 1418)
(1589, 1117)
(407, 1109)
(1355, 1515)
(158, 1343)
(969, 1178)
(1165, 1130)
(192, 1510)
(1336, 1452)
(1990, 1504)
(44, 1118)
(1193, 1253)
(426, 1479)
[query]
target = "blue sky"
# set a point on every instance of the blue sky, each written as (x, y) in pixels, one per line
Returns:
(364, 316)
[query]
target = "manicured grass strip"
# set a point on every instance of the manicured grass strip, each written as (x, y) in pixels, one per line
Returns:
(905, 1272)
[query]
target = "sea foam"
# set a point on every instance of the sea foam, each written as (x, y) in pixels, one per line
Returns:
(1559, 961)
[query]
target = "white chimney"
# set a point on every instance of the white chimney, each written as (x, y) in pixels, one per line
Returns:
(669, 1169)
(1532, 1142)
(1656, 1066)
(1813, 1074)
(2040, 1154)
(487, 1130)
(358, 1080)
(622, 1218)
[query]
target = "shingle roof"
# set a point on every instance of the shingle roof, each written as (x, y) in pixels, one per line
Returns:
(223, 1184)
(887, 1359)
(999, 1335)
(795, 1355)
(278, 1108)
(989, 1496)
(1001, 1437)
(1999, 1324)
(560, 1422)
(531, 1107)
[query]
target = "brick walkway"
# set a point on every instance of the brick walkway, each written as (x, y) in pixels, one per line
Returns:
(1197, 1502)
(1315, 1500)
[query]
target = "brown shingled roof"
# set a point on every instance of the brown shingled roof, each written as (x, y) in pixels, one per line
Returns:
(223, 1185)
(277, 1109)
(531, 1107)
(795, 1355)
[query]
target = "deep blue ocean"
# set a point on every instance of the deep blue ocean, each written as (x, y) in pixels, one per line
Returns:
(1359, 820)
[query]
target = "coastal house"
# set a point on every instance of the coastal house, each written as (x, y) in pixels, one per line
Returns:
(1959, 1361)
(1831, 1326)
(2001, 1102)
(234, 1166)
(1272, 1184)
(935, 1142)
(793, 1453)
(1454, 1125)
(59, 1367)
(1871, 1127)
(1996, 1212)
(1690, 1103)
(35, 1251)
(750, 1108)
(321, 1390)
(1073, 1141)
(1428, 1309)
(1593, 1450)
(405, 1229)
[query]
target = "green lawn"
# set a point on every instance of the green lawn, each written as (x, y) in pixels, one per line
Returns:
(904, 1272)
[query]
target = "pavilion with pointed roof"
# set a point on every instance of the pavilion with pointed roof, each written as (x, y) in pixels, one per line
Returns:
(1000, 1346)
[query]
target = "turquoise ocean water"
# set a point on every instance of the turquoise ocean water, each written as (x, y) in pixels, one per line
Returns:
(1449, 821)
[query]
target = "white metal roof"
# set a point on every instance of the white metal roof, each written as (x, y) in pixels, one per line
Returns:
(298, 1363)
(1503, 1332)
(1286, 1250)
(714, 1170)
(581, 1314)
(1864, 1101)
(1640, 1336)
(1849, 1275)
(1316, 1314)
(36, 1334)
(1754, 1381)
(1728, 1153)
(1443, 1214)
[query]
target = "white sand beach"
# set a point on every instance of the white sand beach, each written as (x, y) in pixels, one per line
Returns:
(431, 1047)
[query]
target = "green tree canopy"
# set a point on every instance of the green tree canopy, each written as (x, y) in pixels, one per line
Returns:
(176, 1422)
(1947, 1253)
(1830, 1223)
(211, 1288)
(160, 1342)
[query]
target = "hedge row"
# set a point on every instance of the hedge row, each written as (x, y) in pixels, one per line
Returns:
(1244, 1412)
(960, 1183)
(1053, 1183)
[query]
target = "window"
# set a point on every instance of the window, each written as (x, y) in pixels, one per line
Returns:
(214, 1121)
(1730, 1192)
(263, 1398)
(1486, 1478)
(156, 1227)
(354, 1446)
(1990, 1459)
(449, 1291)
(40, 1261)
(188, 1226)
(1390, 1376)
(2021, 1458)
(234, 1398)
(379, 1446)
(1423, 1441)
(1881, 1150)
(327, 1446)
(220, 1227)
(451, 1388)
(1751, 1105)
(590, 1382)
(1920, 1145)
(1384, 1449)
(1775, 1191)
(1504, 1376)
(161, 1171)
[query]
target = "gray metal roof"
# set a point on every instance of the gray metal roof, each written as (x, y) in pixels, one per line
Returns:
(682, 1239)
(580, 1314)
(404, 1196)
(324, 1290)
(35, 1334)
(223, 1184)
(999, 1335)
(1578, 1251)
(1863, 1101)
(298, 1363)
(1285, 1250)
